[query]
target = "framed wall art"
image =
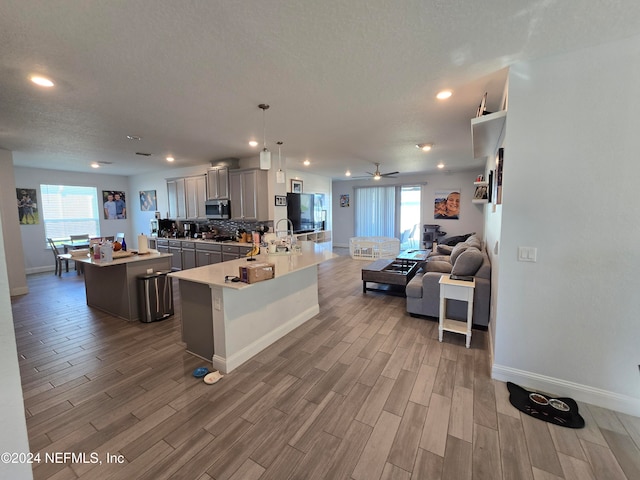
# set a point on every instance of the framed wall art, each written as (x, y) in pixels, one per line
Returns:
(281, 201)
(296, 186)
(446, 204)
(148, 200)
(114, 205)
(27, 206)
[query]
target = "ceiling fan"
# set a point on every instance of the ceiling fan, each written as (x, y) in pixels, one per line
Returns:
(377, 175)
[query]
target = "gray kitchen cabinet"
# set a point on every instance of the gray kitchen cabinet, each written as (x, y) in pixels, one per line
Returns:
(177, 198)
(218, 183)
(248, 194)
(196, 196)
(188, 255)
(208, 254)
(162, 245)
(187, 197)
(175, 248)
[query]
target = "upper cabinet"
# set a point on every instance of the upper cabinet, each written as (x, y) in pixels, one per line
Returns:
(218, 183)
(248, 194)
(487, 133)
(187, 197)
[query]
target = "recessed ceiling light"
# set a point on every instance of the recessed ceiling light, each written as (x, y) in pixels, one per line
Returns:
(441, 165)
(347, 173)
(425, 147)
(253, 143)
(444, 94)
(42, 81)
(170, 159)
(307, 162)
(134, 137)
(95, 165)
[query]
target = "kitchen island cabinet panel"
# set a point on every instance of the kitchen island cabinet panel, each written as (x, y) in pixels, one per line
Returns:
(113, 286)
(247, 318)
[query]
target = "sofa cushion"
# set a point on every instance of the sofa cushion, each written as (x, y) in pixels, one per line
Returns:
(445, 249)
(457, 250)
(468, 262)
(474, 241)
(437, 266)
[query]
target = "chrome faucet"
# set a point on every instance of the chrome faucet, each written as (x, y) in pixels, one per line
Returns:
(289, 231)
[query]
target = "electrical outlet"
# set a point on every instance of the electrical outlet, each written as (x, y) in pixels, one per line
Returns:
(216, 304)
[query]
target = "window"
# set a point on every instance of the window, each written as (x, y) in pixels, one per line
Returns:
(375, 211)
(69, 210)
(389, 211)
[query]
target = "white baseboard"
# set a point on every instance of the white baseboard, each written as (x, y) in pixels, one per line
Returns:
(563, 388)
(19, 291)
(230, 363)
(39, 270)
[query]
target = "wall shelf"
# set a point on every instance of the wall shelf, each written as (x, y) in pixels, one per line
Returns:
(487, 133)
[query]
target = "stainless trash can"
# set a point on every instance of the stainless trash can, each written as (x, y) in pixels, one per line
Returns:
(155, 296)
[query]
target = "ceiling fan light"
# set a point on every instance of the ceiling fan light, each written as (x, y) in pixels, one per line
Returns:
(377, 176)
(444, 94)
(347, 173)
(425, 147)
(253, 143)
(441, 165)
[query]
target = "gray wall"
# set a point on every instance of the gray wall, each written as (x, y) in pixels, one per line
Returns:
(12, 421)
(37, 257)
(568, 324)
(471, 215)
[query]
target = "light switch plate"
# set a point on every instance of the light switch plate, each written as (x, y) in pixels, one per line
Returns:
(527, 254)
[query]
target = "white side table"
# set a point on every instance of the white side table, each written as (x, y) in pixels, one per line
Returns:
(456, 290)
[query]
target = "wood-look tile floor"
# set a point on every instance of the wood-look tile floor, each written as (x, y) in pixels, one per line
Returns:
(361, 391)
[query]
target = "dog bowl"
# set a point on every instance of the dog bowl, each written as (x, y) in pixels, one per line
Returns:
(200, 372)
(538, 399)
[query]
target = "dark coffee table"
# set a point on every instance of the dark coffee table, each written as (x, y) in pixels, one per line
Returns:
(392, 276)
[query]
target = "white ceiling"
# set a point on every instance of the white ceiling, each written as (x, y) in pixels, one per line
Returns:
(349, 82)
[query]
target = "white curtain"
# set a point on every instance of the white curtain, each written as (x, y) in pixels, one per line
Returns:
(375, 211)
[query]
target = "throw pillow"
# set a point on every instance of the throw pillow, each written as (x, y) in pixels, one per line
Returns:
(455, 240)
(437, 266)
(445, 249)
(468, 262)
(457, 250)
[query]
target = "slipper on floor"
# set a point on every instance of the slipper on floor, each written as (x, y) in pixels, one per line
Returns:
(212, 377)
(200, 372)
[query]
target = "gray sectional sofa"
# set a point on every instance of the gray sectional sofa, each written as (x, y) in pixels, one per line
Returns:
(465, 258)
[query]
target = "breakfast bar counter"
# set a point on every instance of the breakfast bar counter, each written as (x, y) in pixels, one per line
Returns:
(227, 323)
(112, 286)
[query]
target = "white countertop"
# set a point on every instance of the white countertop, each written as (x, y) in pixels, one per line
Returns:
(312, 254)
(152, 255)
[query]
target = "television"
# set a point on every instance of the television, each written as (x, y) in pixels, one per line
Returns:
(304, 211)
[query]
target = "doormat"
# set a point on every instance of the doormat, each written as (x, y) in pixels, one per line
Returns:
(559, 411)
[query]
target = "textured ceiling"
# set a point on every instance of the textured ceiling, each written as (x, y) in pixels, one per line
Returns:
(349, 82)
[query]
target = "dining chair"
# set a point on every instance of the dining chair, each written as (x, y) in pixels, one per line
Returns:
(60, 258)
(79, 238)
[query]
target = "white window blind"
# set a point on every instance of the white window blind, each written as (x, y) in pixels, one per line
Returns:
(69, 210)
(375, 211)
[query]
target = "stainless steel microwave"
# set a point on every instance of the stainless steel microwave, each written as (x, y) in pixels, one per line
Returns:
(218, 209)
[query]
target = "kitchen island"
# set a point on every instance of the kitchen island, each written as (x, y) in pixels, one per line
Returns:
(227, 323)
(113, 286)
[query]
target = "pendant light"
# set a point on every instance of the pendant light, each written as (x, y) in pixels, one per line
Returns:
(265, 155)
(279, 173)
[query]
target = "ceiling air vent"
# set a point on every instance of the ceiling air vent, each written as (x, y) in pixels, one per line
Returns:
(143, 154)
